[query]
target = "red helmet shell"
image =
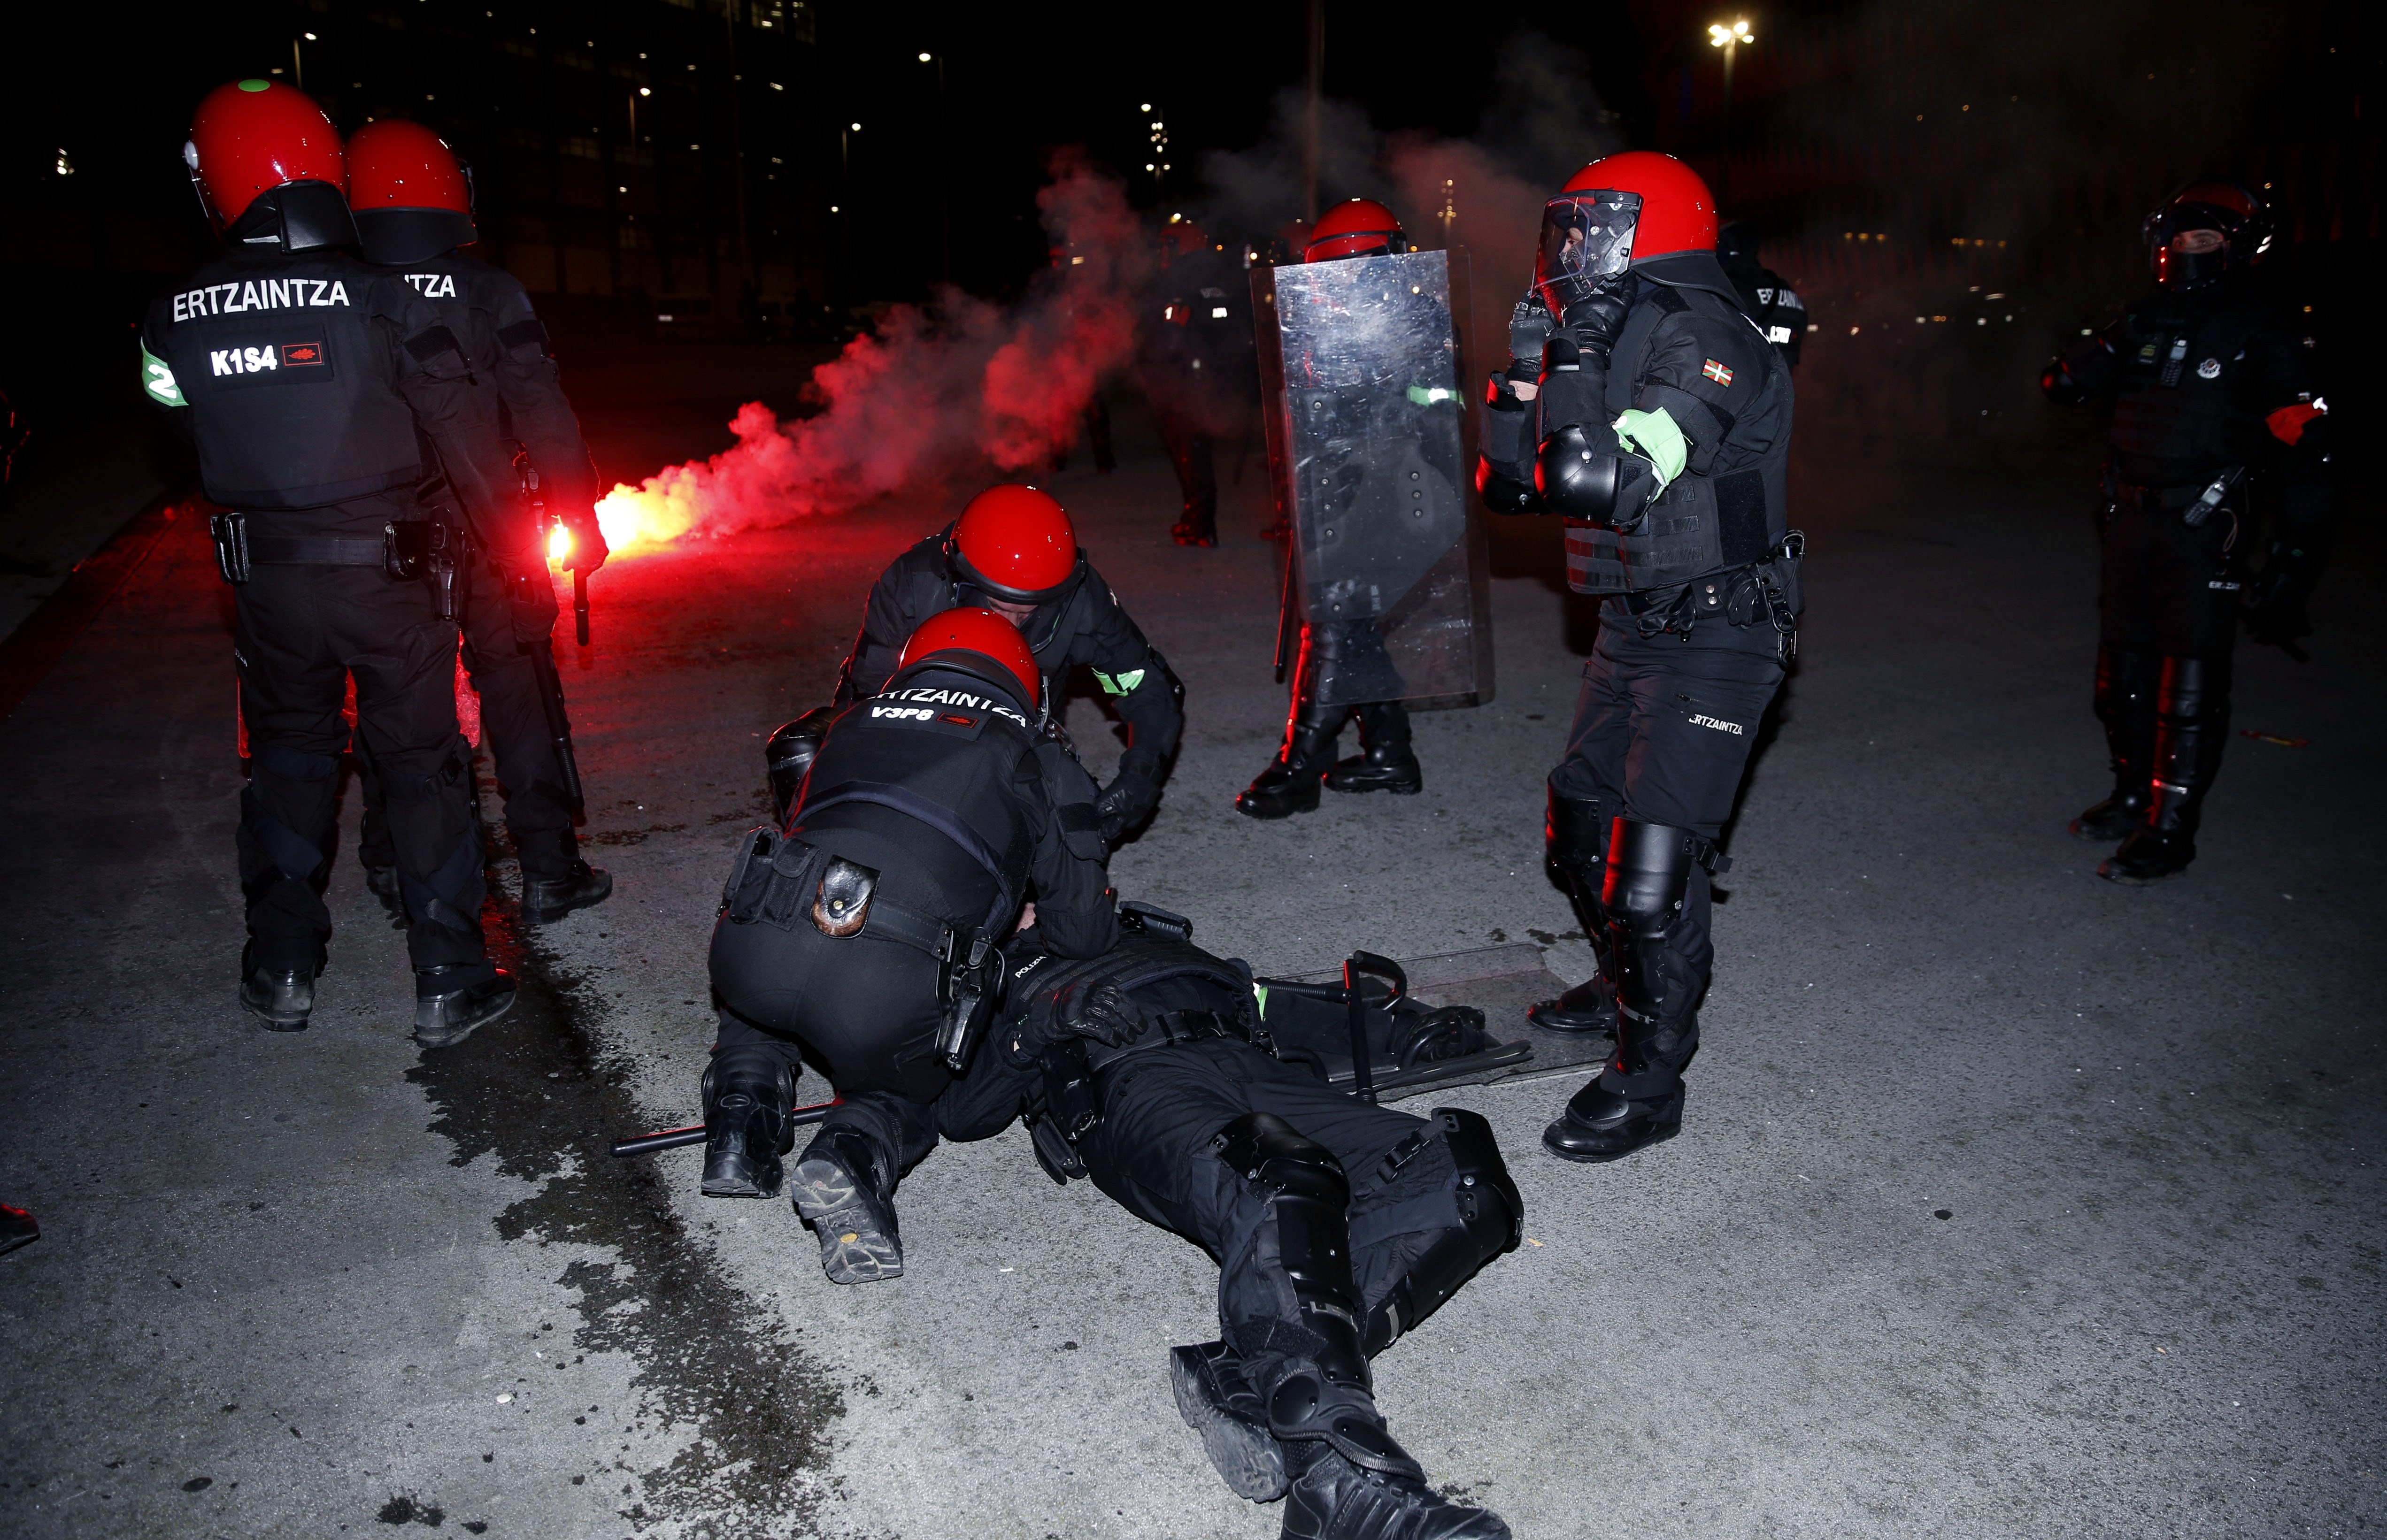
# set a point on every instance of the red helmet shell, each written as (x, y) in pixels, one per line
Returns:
(1358, 227)
(1677, 210)
(1015, 543)
(984, 633)
(412, 199)
(250, 136)
(395, 164)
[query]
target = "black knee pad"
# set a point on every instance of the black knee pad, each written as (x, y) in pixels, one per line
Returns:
(1489, 1206)
(1649, 870)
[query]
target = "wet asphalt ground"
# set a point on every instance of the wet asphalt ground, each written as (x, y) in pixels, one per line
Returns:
(2008, 1202)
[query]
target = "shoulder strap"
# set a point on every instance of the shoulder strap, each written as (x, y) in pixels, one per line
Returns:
(910, 803)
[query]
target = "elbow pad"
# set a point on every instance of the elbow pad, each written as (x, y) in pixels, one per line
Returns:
(1578, 477)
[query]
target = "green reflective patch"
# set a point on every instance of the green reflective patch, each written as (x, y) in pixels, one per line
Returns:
(1655, 436)
(1128, 680)
(159, 380)
(1260, 992)
(1426, 396)
(256, 85)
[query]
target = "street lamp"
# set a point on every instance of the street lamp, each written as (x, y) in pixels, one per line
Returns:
(1729, 39)
(944, 184)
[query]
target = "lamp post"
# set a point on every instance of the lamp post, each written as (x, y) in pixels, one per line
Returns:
(1729, 39)
(944, 183)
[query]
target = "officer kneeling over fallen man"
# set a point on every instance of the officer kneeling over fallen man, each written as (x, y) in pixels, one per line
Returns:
(864, 929)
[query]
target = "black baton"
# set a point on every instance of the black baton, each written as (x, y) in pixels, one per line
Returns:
(672, 1139)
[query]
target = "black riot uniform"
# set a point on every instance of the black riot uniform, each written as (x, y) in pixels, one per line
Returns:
(1764, 297)
(506, 601)
(1199, 375)
(1337, 1225)
(862, 936)
(311, 384)
(1085, 626)
(1664, 428)
(2212, 396)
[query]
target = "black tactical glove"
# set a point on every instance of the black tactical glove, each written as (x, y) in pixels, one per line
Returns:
(1100, 1013)
(2274, 606)
(1126, 801)
(1597, 319)
(1529, 329)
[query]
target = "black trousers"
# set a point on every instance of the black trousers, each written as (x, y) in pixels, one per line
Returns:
(1661, 734)
(300, 635)
(1193, 451)
(1151, 1153)
(865, 1010)
(2167, 589)
(507, 627)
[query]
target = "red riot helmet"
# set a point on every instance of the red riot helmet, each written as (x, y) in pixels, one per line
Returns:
(1618, 211)
(989, 640)
(1357, 227)
(1016, 544)
(259, 148)
(412, 196)
(2206, 232)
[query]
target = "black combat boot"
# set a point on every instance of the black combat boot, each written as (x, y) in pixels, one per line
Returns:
(1215, 1398)
(1384, 762)
(747, 1094)
(1290, 783)
(281, 998)
(1332, 1497)
(1192, 531)
(840, 1193)
(577, 887)
(2191, 729)
(1637, 1098)
(1574, 838)
(2126, 704)
(453, 1001)
(17, 1229)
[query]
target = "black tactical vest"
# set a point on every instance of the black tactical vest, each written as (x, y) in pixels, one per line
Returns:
(291, 384)
(2187, 399)
(1731, 506)
(930, 766)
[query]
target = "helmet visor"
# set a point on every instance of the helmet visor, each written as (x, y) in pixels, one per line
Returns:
(2189, 246)
(1587, 241)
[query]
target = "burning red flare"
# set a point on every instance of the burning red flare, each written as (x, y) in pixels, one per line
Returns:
(559, 545)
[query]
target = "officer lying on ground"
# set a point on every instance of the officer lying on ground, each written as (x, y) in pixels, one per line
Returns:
(863, 932)
(1014, 551)
(1337, 1225)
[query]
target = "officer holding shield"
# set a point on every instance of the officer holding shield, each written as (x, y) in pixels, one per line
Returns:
(1384, 587)
(1658, 424)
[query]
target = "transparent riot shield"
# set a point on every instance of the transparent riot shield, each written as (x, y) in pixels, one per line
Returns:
(1367, 438)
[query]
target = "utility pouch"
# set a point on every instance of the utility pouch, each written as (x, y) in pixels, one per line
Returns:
(1069, 1103)
(1053, 1152)
(842, 904)
(230, 532)
(766, 880)
(969, 981)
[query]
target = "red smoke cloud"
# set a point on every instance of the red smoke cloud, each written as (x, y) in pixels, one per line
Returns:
(928, 393)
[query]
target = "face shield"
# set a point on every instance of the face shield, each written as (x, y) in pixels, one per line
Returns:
(1587, 241)
(2188, 247)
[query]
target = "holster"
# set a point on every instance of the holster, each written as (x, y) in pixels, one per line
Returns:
(430, 549)
(231, 533)
(969, 981)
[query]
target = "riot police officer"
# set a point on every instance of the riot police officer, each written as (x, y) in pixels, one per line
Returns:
(1338, 1225)
(1196, 369)
(309, 382)
(864, 931)
(413, 206)
(1013, 551)
(1764, 297)
(2211, 391)
(1658, 424)
(1344, 662)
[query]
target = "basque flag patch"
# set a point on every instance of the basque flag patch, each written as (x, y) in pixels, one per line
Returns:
(1716, 371)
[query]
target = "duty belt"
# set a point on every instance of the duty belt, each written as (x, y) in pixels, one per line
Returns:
(315, 551)
(1166, 1029)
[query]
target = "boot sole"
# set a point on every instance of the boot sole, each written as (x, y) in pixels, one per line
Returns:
(2135, 879)
(1248, 1460)
(1270, 815)
(1399, 788)
(1559, 1021)
(854, 1249)
(276, 1023)
(742, 1180)
(449, 1037)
